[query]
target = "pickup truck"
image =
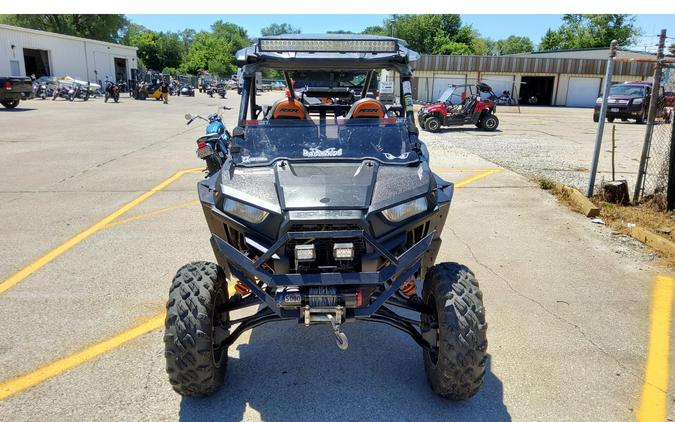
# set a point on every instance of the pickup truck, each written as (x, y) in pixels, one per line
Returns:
(13, 89)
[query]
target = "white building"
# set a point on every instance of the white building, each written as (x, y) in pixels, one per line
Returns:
(24, 52)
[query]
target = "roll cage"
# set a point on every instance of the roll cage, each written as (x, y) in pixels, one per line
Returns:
(329, 53)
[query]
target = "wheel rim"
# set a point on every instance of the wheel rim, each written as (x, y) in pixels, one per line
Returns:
(489, 123)
(216, 320)
(432, 124)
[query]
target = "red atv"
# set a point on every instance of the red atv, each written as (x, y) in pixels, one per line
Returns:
(461, 105)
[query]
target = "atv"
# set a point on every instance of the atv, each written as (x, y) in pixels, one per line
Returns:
(325, 213)
(461, 105)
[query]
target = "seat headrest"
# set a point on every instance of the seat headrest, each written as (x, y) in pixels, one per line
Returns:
(367, 108)
(287, 108)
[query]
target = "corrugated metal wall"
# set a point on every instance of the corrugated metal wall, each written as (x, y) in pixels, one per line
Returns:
(528, 64)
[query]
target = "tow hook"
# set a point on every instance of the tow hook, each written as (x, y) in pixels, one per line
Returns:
(332, 315)
(340, 337)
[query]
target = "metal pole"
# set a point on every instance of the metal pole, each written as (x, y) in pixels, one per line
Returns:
(671, 170)
(602, 116)
(651, 115)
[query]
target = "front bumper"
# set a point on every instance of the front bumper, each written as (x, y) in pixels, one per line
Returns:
(252, 274)
(621, 111)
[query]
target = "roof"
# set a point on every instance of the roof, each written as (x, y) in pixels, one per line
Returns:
(328, 51)
(64, 36)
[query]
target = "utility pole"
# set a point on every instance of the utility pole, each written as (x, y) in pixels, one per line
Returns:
(651, 115)
(602, 117)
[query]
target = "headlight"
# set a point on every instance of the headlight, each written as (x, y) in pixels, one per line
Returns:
(598, 101)
(251, 214)
(406, 210)
(637, 101)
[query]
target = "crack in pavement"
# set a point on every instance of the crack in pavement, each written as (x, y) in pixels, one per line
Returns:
(553, 314)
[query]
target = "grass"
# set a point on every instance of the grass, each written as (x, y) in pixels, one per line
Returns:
(546, 184)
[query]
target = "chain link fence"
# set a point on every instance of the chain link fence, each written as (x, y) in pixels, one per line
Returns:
(655, 184)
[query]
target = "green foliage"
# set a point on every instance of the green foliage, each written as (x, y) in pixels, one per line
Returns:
(514, 45)
(279, 29)
(108, 28)
(210, 52)
(591, 31)
(431, 34)
(339, 31)
(156, 50)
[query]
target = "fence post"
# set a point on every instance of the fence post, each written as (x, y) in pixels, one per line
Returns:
(651, 115)
(670, 198)
(601, 117)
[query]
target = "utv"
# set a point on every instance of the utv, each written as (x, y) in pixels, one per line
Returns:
(325, 213)
(461, 105)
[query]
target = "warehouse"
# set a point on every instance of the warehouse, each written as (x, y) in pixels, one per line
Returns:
(24, 52)
(571, 78)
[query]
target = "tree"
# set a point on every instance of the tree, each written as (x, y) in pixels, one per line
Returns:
(279, 29)
(672, 49)
(430, 34)
(339, 31)
(186, 37)
(234, 35)
(514, 45)
(591, 31)
(108, 28)
(209, 52)
(156, 50)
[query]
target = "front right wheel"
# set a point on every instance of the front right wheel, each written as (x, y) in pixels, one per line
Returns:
(455, 368)
(432, 124)
(195, 329)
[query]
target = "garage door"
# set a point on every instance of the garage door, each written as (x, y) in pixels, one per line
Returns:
(582, 92)
(441, 83)
(499, 83)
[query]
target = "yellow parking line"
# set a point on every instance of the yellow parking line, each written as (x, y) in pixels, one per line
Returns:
(436, 169)
(101, 224)
(653, 397)
(479, 176)
(153, 213)
(16, 385)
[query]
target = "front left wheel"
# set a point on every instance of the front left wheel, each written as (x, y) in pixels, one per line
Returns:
(489, 122)
(195, 328)
(455, 368)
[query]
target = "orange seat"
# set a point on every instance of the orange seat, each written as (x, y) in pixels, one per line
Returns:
(287, 108)
(367, 108)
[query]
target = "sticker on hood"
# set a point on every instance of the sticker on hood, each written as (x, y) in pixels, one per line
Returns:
(403, 156)
(249, 159)
(316, 152)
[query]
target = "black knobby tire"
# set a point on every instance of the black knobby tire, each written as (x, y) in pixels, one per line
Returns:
(10, 103)
(596, 118)
(116, 97)
(432, 124)
(456, 368)
(610, 119)
(489, 122)
(640, 119)
(195, 366)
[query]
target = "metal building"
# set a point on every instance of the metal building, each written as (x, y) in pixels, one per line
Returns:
(24, 52)
(570, 78)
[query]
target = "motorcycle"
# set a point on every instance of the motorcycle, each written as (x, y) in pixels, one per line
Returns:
(81, 92)
(187, 90)
(40, 90)
(212, 147)
(67, 92)
(221, 89)
(112, 90)
(505, 99)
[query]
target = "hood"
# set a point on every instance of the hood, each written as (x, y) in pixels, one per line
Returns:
(433, 106)
(366, 185)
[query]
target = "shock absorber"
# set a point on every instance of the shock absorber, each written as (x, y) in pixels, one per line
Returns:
(409, 287)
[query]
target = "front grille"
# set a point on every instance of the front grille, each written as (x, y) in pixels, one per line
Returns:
(324, 262)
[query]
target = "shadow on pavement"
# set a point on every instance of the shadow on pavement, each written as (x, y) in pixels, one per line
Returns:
(291, 372)
(15, 110)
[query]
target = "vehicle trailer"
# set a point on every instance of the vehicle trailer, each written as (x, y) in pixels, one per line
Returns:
(324, 213)
(13, 89)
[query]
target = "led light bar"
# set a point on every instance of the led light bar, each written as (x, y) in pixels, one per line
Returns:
(327, 46)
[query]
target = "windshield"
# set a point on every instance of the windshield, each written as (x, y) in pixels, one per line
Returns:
(385, 140)
(453, 95)
(627, 90)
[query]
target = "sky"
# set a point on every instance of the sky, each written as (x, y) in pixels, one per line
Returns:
(492, 26)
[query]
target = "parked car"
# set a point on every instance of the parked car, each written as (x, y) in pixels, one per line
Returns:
(13, 89)
(630, 100)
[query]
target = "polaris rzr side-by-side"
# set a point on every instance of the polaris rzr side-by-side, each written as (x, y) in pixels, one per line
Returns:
(324, 213)
(461, 105)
